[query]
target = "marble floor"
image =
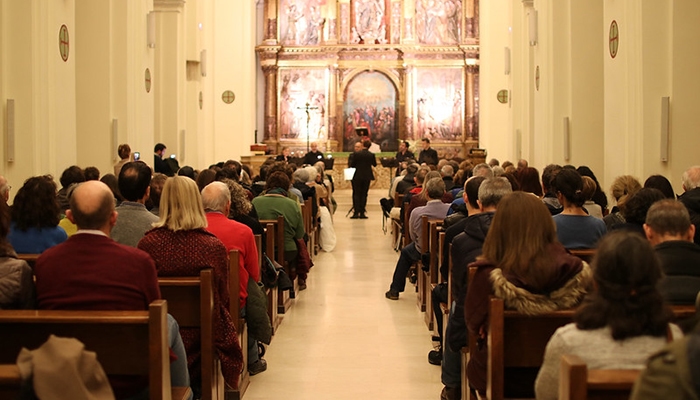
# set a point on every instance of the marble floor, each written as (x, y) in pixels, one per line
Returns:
(343, 339)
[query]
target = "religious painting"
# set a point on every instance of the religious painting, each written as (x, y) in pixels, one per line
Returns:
(303, 104)
(438, 21)
(369, 21)
(370, 102)
(439, 104)
(301, 22)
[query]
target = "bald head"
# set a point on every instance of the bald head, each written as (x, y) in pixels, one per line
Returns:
(92, 206)
(691, 178)
(216, 197)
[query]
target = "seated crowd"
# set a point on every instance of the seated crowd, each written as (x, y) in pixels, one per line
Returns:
(103, 243)
(514, 227)
(518, 229)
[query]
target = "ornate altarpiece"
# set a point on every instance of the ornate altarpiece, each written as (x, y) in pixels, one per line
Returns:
(403, 69)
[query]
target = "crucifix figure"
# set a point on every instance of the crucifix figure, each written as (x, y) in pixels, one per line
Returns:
(306, 108)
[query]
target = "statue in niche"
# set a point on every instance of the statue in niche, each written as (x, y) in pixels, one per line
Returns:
(370, 24)
(438, 21)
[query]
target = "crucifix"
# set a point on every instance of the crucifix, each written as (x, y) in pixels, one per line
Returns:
(306, 108)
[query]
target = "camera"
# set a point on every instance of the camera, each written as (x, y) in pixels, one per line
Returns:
(137, 156)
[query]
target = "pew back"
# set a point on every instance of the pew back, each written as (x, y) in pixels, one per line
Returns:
(126, 342)
(577, 382)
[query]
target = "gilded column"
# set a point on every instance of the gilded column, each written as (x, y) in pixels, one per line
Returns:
(471, 128)
(333, 131)
(409, 11)
(270, 137)
(331, 13)
(270, 22)
(409, 103)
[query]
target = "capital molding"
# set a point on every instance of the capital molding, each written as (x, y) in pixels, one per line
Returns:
(169, 5)
(528, 3)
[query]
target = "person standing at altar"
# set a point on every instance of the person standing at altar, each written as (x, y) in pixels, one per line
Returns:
(363, 161)
(427, 155)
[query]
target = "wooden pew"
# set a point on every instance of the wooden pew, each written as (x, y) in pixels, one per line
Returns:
(272, 294)
(431, 277)
(234, 280)
(191, 301)
(422, 275)
(10, 381)
(396, 224)
(445, 307)
(577, 382)
(584, 254)
(29, 258)
(126, 342)
(508, 332)
(284, 298)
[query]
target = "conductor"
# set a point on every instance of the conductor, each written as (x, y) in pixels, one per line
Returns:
(363, 161)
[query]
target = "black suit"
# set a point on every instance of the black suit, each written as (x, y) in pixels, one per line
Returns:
(362, 161)
(428, 156)
(312, 157)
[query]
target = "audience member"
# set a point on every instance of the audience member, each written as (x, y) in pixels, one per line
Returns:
(159, 164)
(275, 203)
(35, 216)
(408, 182)
(111, 182)
(669, 230)
(447, 173)
(465, 248)
(691, 197)
(16, 279)
(70, 176)
(522, 164)
(180, 246)
(188, 172)
(434, 209)
(589, 188)
(65, 223)
(403, 156)
(550, 196)
(216, 199)
(493, 163)
(91, 174)
(205, 177)
(482, 170)
(575, 228)
(599, 196)
(662, 184)
(529, 180)
(124, 152)
(92, 272)
(523, 264)
(153, 202)
(285, 155)
(621, 323)
(622, 188)
(134, 219)
(635, 209)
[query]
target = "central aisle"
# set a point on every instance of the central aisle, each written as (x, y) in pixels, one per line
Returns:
(342, 339)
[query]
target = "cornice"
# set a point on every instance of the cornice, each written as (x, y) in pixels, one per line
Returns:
(169, 5)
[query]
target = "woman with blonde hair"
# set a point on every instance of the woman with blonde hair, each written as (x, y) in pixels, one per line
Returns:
(124, 151)
(524, 264)
(622, 188)
(180, 246)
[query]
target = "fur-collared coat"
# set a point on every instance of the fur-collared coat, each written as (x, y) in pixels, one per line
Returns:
(570, 280)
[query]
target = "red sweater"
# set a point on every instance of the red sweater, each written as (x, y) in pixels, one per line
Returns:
(236, 236)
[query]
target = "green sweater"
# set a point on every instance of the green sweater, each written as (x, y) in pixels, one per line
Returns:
(272, 206)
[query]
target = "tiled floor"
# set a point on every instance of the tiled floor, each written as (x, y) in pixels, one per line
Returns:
(343, 339)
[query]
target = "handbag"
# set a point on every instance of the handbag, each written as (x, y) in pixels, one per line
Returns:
(269, 275)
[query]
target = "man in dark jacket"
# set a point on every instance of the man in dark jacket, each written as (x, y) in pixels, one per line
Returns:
(427, 155)
(408, 182)
(363, 161)
(465, 248)
(669, 230)
(691, 197)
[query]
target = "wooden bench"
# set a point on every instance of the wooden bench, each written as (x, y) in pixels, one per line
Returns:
(10, 381)
(577, 382)
(431, 277)
(508, 333)
(396, 224)
(584, 254)
(445, 307)
(29, 258)
(284, 297)
(275, 318)
(131, 343)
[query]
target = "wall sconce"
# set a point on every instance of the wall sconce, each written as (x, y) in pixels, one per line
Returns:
(567, 139)
(10, 131)
(506, 61)
(665, 104)
(203, 62)
(532, 25)
(151, 29)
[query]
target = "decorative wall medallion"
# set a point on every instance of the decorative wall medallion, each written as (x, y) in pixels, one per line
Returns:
(228, 97)
(201, 100)
(614, 39)
(502, 96)
(147, 80)
(537, 78)
(63, 42)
